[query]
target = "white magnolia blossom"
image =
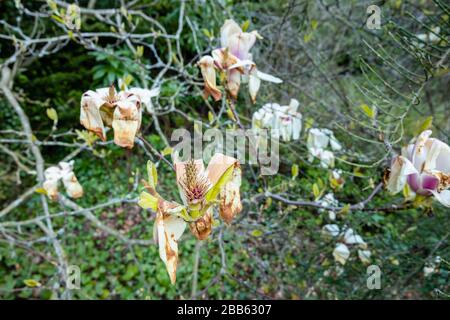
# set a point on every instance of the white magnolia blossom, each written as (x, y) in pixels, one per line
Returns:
(319, 143)
(425, 167)
(63, 171)
(145, 95)
(282, 121)
(120, 110)
(352, 238)
(235, 60)
(341, 253)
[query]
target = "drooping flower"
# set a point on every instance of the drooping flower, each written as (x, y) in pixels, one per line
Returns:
(425, 167)
(319, 142)
(341, 253)
(283, 121)
(119, 110)
(201, 190)
(235, 61)
(63, 171)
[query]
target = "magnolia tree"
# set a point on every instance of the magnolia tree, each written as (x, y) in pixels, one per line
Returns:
(325, 141)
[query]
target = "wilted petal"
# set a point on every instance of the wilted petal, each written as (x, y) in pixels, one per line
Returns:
(90, 116)
(209, 76)
(233, 82)
(201, 228)
(253, 86)
(341, 253)
(401, 168)
(52, 176)
(420, 150)
(73, 187)
(169, 230)
(438, 156)
(230, 198)
(317, 139)
(126, 123)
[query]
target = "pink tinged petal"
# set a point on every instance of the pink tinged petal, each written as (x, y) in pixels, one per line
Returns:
(414, 182)
(443, 197)
(240, 44)
(401, 169)
(430, 182)
(208, 71)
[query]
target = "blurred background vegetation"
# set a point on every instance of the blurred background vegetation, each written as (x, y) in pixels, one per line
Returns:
(330, 62)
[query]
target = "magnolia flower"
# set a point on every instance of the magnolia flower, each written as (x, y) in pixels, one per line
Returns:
(282, 120)
(64, 172)
(341, 253)
(318, 141)
(329, 200)
(201, 190)
(351, 238)
(121, 111)
(235, 60)
(425, 166)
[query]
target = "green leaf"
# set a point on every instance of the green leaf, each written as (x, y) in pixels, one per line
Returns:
(210, 117)
(214, 191)
(370, 112)
(139, 52)
(426, 124)
(132, 271)
(52, 114)
(257, 233)
(41, 191)
(314, 24)
(294, 171)
(147, 201)
(32, 283)
(152, 174)
(316, 190)
(245, 25)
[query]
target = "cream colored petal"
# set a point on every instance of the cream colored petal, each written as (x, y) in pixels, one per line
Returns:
(73, 187)
(51, 188)
(253, 86)
(234, 82)
(169, 230)
(267, 77)
(352, 238)
(127, 121)
(208, 71)
(341, 253)
(229, 28)
(330, 230)
(420, 150)
(240, 44)
(90, 116)
(400, 169)
(146, 95)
